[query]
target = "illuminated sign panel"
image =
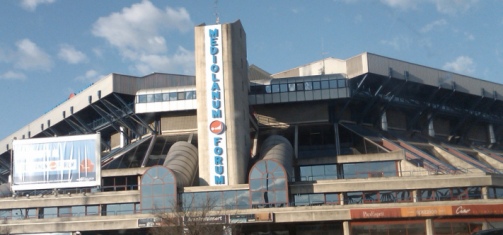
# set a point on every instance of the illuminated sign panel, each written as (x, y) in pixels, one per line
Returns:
(58, 162)
(216, 105)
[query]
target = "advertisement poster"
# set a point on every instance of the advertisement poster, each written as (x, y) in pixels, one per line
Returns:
(57, 162)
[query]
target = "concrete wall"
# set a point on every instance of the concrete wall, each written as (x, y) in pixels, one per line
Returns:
(282, 114)
(178, 121)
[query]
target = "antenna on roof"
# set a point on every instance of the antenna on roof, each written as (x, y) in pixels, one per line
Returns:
(323, 53)
(215, 8)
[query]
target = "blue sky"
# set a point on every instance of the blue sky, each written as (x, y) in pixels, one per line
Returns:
(52, 48)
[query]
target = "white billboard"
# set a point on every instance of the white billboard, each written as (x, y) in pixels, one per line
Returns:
(56, 162)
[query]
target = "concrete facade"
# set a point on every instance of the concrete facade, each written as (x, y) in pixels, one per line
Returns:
(235, 81)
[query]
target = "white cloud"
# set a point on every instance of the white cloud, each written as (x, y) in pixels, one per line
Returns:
(149, 63)
(398, 43)
(469, 36)
(433, 25)
(30, 57)
(90, 76)
(462, 64)
(11, 75)
(137, 30)
(401, 4)
(31, 5)
(71, 55)
(453, 7)
(97, 52)
(449, 7)
(296, 10)
(358, 18)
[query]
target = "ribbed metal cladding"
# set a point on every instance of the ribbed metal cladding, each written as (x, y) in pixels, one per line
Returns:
(182, 160)
(278, 148)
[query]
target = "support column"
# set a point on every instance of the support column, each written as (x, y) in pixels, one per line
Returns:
(414, 195)
(123, 137)
(346, 228)
(296, 144)
(341, 198)
(384, 121)
(484, 193)
(337, 140)
(429, 227)
(492, 136)
(431, 129)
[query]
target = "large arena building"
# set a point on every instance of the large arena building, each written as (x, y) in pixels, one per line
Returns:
(365, 145)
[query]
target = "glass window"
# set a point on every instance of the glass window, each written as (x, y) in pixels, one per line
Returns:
(31, 213)
(112, 209)
(317, 199)
(142, 99)
(230, 200)
(283, 88)
(281, 196)
(5, 214)
(65, 211)
(324, 84)
(92, 210)
(268, 184)
(257, 197)
(275, 88)
(318, 172)
(300, 86)
(330, 171)
(255, 173)
(291, 86)
(316, 85)
(18, 214)
(190, 95)
(180, 96)
(50, 212)
(301, 199)
(305, 173)
(243, 200)
(308, 86)
(370, 197)
(332, 198)
(215, 201)
(78, 210)
(173, 96)
(158, 191)
(256, 90)
(126, 209)
(369, 169)
(150, 98)
(158, 97)
(333, 84)
(279, 183)
(255, 184)
(353, 197)
(165, 97)
(268, 89)
(341, 83)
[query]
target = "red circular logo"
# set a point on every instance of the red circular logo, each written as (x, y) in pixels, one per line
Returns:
(217, 127)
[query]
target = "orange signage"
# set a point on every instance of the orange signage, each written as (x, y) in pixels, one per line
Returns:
(477, 210)
(426, 211)
(375, 213)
